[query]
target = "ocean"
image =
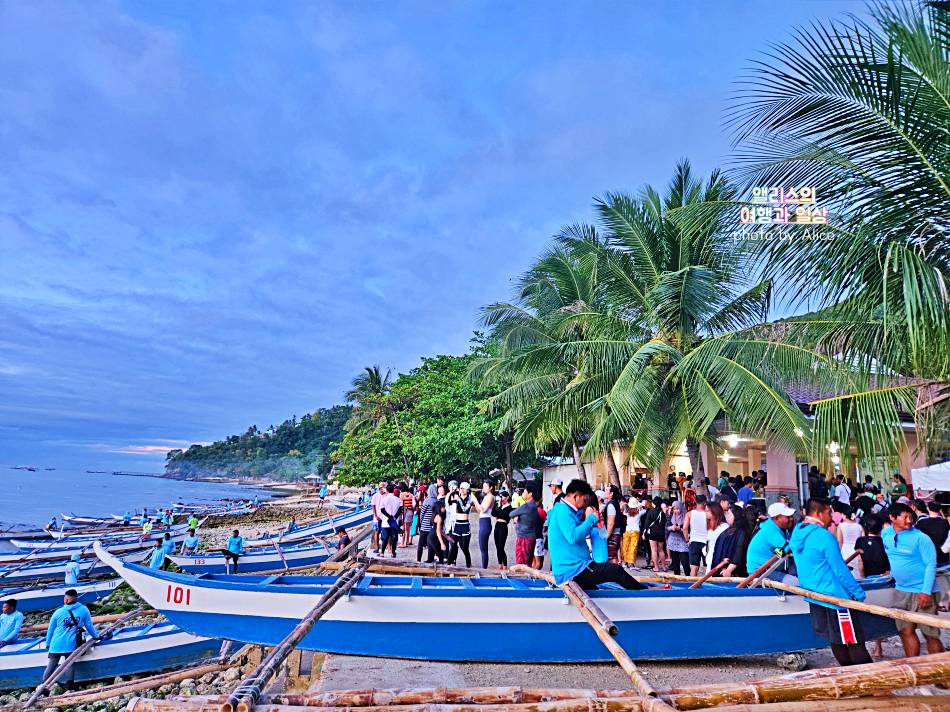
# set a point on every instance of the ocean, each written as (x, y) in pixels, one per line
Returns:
(31, 498)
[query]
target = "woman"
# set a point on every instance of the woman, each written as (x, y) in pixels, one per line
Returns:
(462, 504)
(715, 525)
(654, 531)
(848, 533)
(484, 518)
(732, 543)
(502, 514)
(436, 538)
(675, 541)
(426, 513)
(898, 488)
(616, 523)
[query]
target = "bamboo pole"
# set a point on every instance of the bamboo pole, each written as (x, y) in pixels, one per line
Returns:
(75, 655)
(96, 620)
(443, 696)
(896, 614)
(602, 625)
(712, 572)
(247, 693)
(930, 703)
(616, 704)
(758, 572)
(352, 547)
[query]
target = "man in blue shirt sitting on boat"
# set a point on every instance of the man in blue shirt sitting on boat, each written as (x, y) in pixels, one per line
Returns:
(569, 524)
(771, 540)
(821, 569)
(64, 634)
(234, 550)
(189, 547)
(914, 567)
(159, 553)
(11, 620)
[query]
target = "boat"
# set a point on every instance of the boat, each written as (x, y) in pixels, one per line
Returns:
(83, 548)
(44, 570)
(255, 560)
(76, 520)
(130, 651)
(24, 534)
(324, 527)
(85, 537)
(400, 616)
(44, 598)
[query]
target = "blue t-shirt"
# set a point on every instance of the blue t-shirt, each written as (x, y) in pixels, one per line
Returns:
(745, 494)
(72, 572)
(568, 530)
(764, 544)
(820, 565)
(190, 543)
(158, 557)
(61, 634)
(913, 560)
(236, 544)
(10, 624)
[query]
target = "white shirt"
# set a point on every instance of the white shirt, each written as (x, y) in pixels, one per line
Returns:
(374, 502)
(843, 493)
(713, 493)
(697, 526)
(388, 504)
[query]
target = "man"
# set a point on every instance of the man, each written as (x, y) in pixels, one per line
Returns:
(822, 569)
(73, 568)
(695, 533)
(344, 540)
(51, 524)
(771, 540)
(291, 525)
(557, 489)
(11, 620)
(935, 526)
(234, 550)
(408, 501)
(193, 522)
(528, 521)
(842, 493)
(168, 519)
(126, 518)
(746, 493)
(389, 508)
(570, 523)
(146, 528)
(157, 558)
(377, 520)
(913, 559)
(189, 547)
(869, 485)
(168, 543)
(64, 634)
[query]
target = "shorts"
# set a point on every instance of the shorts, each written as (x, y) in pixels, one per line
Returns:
(407, 517)
(838, 627)
(539, 547)
(904, 601)
(613, 546)
(696, 549)
(524, 550)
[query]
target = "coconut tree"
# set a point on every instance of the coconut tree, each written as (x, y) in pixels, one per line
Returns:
(374, 404)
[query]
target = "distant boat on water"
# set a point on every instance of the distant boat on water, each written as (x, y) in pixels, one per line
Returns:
(28, 468)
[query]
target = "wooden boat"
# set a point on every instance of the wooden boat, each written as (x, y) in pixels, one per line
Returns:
(67, 537)
(77, 520)
(84, 548)
(24, 534)
(131, 650)
(258, 559)
(402, 616)
(44, 598)
(324, 527)
(45, 570)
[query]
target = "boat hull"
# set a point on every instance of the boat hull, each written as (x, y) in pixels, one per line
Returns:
(64, 551)
(45, 570)
(325, 527)
(49, 597)
(251, 562)
(129, 652)
(447, 619)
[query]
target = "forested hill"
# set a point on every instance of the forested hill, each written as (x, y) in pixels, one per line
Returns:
(291, 450)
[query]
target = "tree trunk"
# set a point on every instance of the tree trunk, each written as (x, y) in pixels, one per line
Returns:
(613, 469)
(695, 459)
(578, 462)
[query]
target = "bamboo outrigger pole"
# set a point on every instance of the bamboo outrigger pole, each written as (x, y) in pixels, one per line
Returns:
(245, 696)
(75, 655)
(712, 572)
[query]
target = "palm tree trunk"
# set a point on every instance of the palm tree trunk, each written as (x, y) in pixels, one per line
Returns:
(578, 462)
(695, 459)
(612, 469)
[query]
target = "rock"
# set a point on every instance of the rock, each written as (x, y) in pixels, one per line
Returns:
(187, 691)
(188, 682)
(232, 674)
(165, 689)
(118, 680)
(56, 689)
(207, 677)
(795, 662)
(203, 689)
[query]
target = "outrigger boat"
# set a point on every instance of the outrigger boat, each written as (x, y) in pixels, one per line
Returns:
(66, 536)
(84, 548)
(261, 559)
(324, 527)
(48, 597)
(130, 651)
(401, 616)
(43, 570)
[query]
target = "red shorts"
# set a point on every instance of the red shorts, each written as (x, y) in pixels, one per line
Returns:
(524, 550)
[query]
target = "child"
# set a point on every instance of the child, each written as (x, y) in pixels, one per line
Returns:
(344, 538)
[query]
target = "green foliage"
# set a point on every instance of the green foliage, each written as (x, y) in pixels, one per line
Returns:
(289, 451)
(433, 425)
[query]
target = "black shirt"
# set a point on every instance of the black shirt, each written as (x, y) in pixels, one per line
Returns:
(873, 555)
(937, 529)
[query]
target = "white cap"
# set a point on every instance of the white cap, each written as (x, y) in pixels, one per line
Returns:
(779, 509)
(557, 482)
(600, 494)
(465, 486)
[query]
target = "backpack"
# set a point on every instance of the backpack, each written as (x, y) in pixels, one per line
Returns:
(656, 527)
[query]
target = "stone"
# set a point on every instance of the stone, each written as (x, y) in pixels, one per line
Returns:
(207, 677)
(56, 689)
(187, 682)
(165, 689)
(232, 674)
(118, 680)
(795, 662)
(187, 691)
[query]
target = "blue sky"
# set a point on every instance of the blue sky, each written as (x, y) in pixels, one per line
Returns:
(215, 214)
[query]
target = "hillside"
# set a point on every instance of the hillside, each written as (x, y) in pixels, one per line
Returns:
(289, 451)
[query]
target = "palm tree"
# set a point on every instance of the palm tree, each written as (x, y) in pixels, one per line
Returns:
(374, 404)
(861, 111)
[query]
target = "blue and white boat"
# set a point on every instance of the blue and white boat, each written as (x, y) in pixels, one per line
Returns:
(131, 650)
(61, 551)
(44, 598)
(46, 570)
(256, 560)
(481, 619)
(325, 527)
(66, 536)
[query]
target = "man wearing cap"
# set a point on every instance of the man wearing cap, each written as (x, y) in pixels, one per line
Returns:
(557, 489)
(64, 634)
(771, 539)
(11, 620)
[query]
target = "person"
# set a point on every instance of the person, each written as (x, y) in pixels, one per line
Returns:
(377, 517)
(518, 499)
(913, 559)
(568, 528)
(771, 540)
(426, 512)
(11, 621)
(64, 634)
(344, 539)
(873, 558)
(484, 518)
(696, 534)
(292, 525)
(557, 489)
(716, 524)
(869, 485)
(168, 519)
(654, 531)
(157, 557)
(461, 504)
(615, 523)
(935, 526)
(898, 487)
(189, 545)
(731, 544)
(389, 507)
(526, 527)
(126, 518)
(323, 491)
(676, 542)
(848, 533)
(842, 494)
(146, 528)
(72, 570)
(745, 493)
(821, 569)
(537, 559)
(408, 501)
(234, 550)
(51, 524)
(436, 544)
(631, 537)
(673, 485)
(502, 513)
(193, 522)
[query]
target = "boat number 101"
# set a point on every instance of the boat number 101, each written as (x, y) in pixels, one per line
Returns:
(178, 594)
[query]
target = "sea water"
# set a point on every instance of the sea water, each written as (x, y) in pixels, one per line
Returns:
(31, 498)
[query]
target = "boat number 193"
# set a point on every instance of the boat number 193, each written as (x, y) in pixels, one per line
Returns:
(178, 594)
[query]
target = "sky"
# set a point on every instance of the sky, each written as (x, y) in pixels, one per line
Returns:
(216, 214)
